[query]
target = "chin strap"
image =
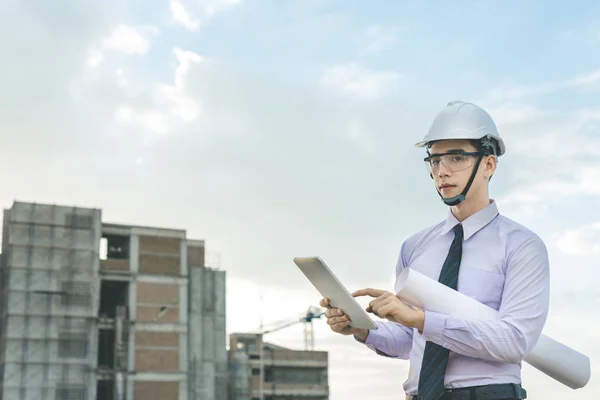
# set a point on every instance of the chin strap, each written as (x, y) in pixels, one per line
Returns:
(456, 200)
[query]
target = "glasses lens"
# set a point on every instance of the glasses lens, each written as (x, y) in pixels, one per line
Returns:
(429, 166)
(452, 162)
(456, 162)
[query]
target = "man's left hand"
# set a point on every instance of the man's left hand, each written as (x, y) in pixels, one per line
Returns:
(389, 306)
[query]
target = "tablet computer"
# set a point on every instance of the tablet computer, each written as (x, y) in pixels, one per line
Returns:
(329, 286)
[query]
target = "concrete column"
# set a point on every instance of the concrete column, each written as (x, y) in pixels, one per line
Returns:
(134, 254)
(184, 258)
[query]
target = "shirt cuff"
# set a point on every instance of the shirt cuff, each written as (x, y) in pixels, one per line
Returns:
(434, 326)
(373, 338)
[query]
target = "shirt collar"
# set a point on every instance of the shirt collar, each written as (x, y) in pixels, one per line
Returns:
(474, 223)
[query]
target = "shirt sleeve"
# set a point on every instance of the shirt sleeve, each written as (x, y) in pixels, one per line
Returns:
(391, 339)
(521, 316)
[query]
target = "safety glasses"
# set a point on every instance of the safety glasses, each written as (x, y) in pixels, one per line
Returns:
(453, 161)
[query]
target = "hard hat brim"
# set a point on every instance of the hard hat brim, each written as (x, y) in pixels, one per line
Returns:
(500, 141)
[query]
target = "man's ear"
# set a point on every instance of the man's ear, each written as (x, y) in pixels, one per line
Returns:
(490, 166)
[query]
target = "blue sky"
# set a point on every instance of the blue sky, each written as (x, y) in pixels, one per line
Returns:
(531, 42)
(274, 129)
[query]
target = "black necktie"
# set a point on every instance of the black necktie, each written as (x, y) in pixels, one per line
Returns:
(435, 357)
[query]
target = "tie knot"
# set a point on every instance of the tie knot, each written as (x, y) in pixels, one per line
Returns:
(458, 231)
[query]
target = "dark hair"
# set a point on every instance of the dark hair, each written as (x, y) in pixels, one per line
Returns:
(490, 145)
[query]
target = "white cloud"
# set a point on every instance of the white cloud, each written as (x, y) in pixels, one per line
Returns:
(513, 92)
(183, 11)
(353, 80)
(539, 190)
(588, 81)
(514, 114)
(124, 39)
(584, 240)
(539, 135)
(170, 106)
(552, 156)
(128, 40)
(181, 16)
(211, 7)
(183, 106)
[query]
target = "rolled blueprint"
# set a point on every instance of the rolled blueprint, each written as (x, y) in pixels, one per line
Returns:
(548, 356)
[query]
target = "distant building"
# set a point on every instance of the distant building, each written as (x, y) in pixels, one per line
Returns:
(286, 374)
(92, 310)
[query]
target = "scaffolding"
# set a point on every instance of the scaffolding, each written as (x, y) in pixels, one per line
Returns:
(69, 329)
(49, 297)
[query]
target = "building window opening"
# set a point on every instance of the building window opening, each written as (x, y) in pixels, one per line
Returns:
(115, 247)
(105, 390)
(112, 295)
(106, 348)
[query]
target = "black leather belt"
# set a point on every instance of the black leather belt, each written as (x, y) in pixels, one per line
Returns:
(506, 391)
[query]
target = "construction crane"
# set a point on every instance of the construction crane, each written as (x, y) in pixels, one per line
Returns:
(309, 337)
(307, 318)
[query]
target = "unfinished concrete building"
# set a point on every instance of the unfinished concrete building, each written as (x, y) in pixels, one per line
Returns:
(90, 310)
(275, 373)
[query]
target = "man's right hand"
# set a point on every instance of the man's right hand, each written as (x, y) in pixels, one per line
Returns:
(340, 322)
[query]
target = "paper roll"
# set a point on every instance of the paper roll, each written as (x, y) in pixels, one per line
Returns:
(549, 356)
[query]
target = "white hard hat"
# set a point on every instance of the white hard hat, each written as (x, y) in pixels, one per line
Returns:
(462, 120)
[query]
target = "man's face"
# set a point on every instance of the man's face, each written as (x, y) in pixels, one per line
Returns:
(452, 170)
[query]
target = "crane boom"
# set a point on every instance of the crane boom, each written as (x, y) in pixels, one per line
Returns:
(307, 318)
(309, 337)
(282, 326)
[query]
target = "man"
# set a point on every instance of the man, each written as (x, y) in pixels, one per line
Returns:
(476, 251)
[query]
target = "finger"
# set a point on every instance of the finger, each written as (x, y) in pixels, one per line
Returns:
(386, 311)
(373, 311)
(335, 320)
(374, 303)
(333, 312)
(325, 302)
(384, 299)
(377, 302)
(340, 326)
(381, 301)
(379, 308)
(368, 292)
